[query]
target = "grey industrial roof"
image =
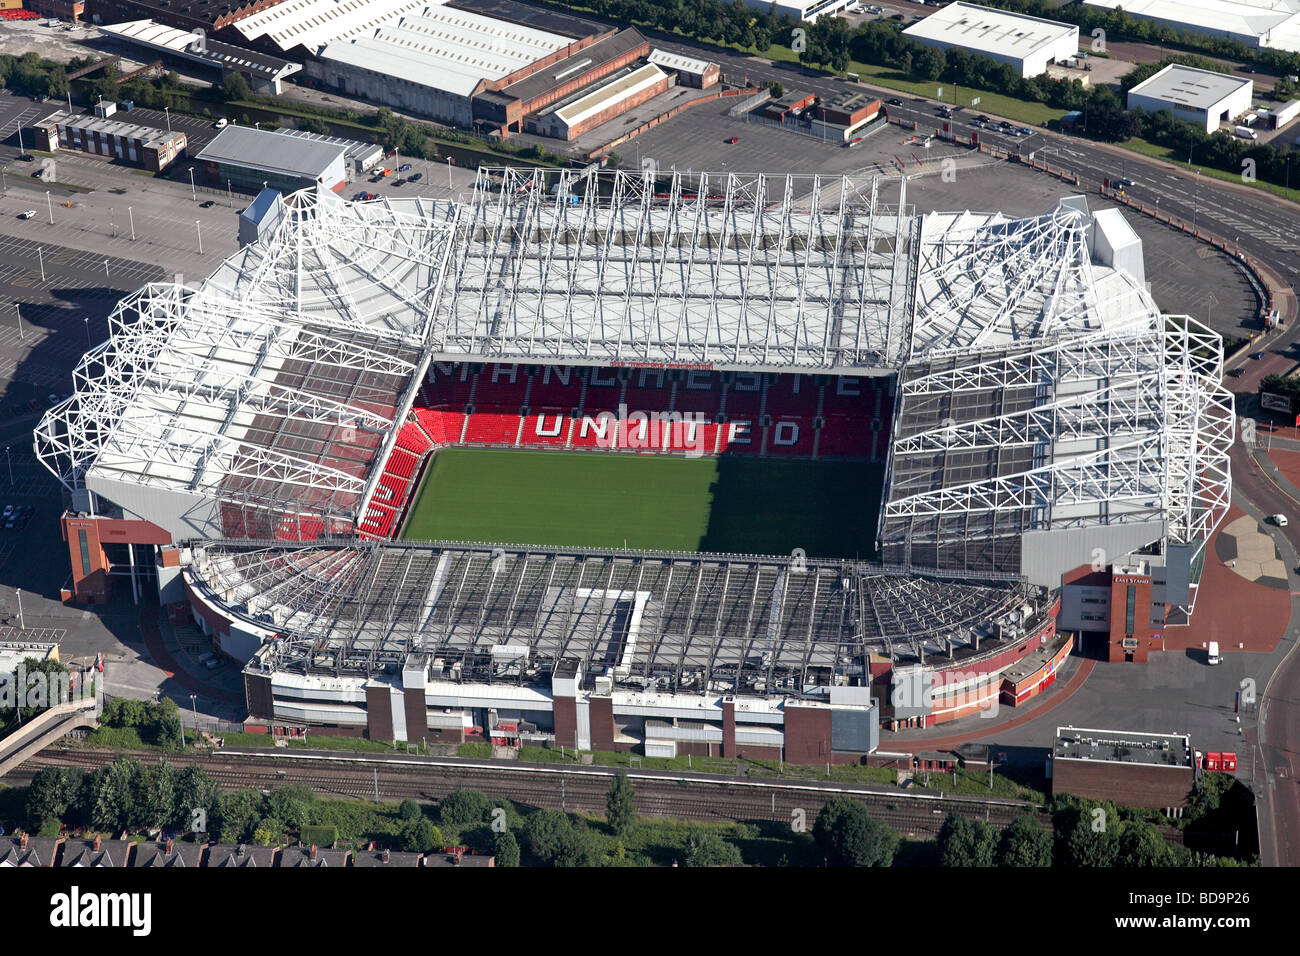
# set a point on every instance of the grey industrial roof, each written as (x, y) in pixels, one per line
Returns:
(1189, 87)
(535, 17)
(602, 51)
(1122, 746)
(270, 150)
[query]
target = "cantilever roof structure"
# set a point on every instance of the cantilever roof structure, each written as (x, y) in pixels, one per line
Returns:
(342, 609)
(1040, 394)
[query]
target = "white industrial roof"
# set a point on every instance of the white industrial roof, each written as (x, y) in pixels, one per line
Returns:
(601, 99)
(313, 23)
(1190, 88)
(675, 61)
(1275, 23)
(149, 31)
(990, 31)
(447, 49)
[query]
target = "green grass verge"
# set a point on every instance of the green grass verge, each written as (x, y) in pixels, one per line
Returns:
(976, 783)
(312, 742)
(661, 503)
(998, 104)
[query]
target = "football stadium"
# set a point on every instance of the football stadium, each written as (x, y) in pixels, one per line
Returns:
(734, 465)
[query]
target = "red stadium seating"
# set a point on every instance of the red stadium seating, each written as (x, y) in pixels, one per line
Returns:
(789, 435)
(448, 384)
(543, 427)
(549, 388)
(745, 395)
(502, 384)
(792, 395)
(493, 425)
(698, 392)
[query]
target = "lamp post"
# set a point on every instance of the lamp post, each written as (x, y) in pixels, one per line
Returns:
(131, 216)
(21, 623)
(449, 173)
(168, 115)
(107, 277)
(10, 462)
(199, 230)
(50, 206)
(40, 257)
(193, 192)
(19, 313)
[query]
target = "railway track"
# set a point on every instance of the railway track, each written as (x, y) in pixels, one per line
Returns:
(581, 790)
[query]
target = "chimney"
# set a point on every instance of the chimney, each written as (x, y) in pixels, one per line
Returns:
(22, 841)
(459, 851)
(313, 851)
(386, 856)
(97, 842)
(171, 845)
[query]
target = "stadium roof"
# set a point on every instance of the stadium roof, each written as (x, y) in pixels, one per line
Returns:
(1039, 392)
(988, 30)
(272, 151)
(448, 49)
(344, 607)
(1189, 87)
(1269, 23)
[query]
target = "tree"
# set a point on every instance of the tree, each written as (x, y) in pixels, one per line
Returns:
(620, 808)
(195, 791)
(966, 842)
(704, 848)
(409, 810)
(240, 812)
(848, 836)
(545, 833)
(115, 805)
(267, 832)
(1088, 839)
(505, 848)
(50, 794)
(1025, 843)
(421, 836)
(778, 90)
(1140, 844)
(577, 847)
(464, 807)
(292, 805)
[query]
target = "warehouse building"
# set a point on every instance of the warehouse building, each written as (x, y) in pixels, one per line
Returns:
(211, 16)
(252, 159)
(433, 64)
(800, 10)
(143, 146)
(1027, 43)
(1271, 24)
(502, 109)
(586, 112)
(262, 71)
(690, 71)
(1200, 97)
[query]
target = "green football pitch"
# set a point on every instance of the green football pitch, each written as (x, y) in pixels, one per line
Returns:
(828, 508)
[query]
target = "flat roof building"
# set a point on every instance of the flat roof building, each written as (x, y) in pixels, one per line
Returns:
(1027, 43)
(143, 146)
(249, 159)
(1257, 23)
(1200, 97)
(800, 9)
(1131, 768)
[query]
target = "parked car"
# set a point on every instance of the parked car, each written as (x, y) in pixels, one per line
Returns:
(734, 140)
(894, 102)
(29, 214)
(855, 142)
(386, 172)
(404, 167)
(415, 177)
(1279, 520)
(1123, 181)
(27, 158)
(221, 123)
(208, 204)
(1026, 130)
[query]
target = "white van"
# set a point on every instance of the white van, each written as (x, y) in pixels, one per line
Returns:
(1245, 132)
(1279, 520)
(1212, 657)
